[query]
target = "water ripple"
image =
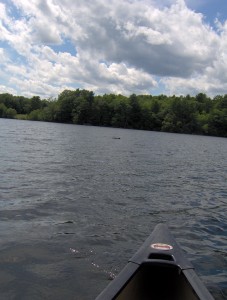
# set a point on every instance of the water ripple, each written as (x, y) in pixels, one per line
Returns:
(76, 187)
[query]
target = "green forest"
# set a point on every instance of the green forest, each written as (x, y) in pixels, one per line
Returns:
(198, 114)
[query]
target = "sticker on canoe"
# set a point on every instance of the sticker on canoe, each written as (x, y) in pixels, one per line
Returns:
(160, 246)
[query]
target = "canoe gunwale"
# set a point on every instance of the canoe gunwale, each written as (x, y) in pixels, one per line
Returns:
(151, 258)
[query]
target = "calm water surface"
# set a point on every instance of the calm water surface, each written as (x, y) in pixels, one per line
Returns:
(76, 202)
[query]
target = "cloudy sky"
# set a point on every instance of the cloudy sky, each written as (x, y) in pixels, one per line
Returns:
(115, 46)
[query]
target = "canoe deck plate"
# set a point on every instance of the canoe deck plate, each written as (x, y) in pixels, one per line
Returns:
(161, 246)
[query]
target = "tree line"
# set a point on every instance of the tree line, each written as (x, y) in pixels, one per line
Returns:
(198, 114)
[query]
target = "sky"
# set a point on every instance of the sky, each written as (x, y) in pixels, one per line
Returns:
(116, 46)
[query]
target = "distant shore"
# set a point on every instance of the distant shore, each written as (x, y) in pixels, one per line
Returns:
(178, 114)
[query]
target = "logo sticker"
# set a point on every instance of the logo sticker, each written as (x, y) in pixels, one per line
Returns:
(160, 246)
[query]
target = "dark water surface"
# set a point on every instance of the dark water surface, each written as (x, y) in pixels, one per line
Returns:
(76, 202)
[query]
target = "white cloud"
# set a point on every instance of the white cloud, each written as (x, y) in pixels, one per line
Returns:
(121, 46)
(212, 79)
(120, 79)
(6, 89)
(3, 56)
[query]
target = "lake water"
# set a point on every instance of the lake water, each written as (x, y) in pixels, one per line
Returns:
(76, 202)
